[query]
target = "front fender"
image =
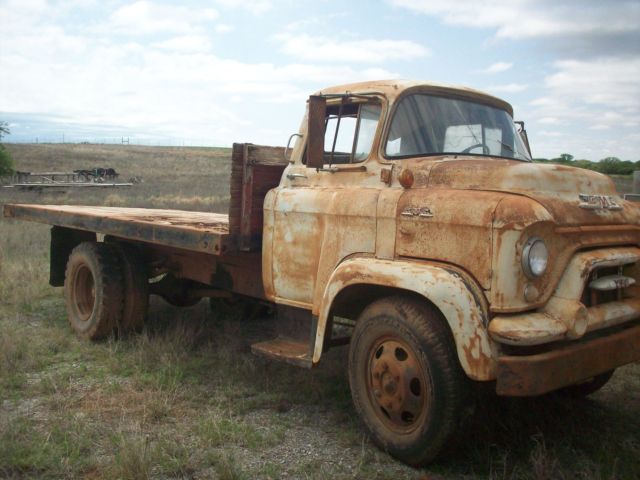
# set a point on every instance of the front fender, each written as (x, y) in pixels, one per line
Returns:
(454, 293)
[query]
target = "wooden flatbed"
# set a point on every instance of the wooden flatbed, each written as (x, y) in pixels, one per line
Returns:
(194, 231)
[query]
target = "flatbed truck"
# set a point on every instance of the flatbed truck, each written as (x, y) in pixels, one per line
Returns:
(411, 212)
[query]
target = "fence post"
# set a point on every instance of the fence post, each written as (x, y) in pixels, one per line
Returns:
(636, 181)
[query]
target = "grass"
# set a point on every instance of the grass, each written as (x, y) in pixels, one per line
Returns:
(186, 399)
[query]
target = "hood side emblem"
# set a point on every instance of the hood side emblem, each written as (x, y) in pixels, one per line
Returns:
(424, 212)
(598, 202)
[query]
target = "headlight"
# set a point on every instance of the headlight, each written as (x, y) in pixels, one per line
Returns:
(535, 257)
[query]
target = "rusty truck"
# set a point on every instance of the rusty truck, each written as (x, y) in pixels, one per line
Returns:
(405, 220)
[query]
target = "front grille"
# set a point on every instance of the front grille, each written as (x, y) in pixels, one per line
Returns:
(592, 297)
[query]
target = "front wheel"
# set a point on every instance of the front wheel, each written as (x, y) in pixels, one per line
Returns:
(405, 378)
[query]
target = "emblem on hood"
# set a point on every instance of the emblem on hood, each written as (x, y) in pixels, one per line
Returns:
(598, 202)
(424, 212)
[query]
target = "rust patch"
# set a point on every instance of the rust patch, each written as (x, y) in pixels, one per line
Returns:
(530, 375)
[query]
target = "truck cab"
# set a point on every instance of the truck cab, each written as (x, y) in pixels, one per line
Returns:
(408, 192)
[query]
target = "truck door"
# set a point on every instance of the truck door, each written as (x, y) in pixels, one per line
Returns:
(321, 216)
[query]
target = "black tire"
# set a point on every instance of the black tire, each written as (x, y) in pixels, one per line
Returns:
(93, 290)
(583, 389)
(406, 381)
(135, 289)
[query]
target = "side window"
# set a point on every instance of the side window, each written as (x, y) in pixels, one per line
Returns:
(350, 130)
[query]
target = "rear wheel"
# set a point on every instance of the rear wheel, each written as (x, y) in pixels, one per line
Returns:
(136, 288)
(93, 289)
(405, 378)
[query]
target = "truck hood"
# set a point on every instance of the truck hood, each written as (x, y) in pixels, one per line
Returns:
(556, 187)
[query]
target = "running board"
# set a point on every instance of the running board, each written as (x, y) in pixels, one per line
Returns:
(285, 349)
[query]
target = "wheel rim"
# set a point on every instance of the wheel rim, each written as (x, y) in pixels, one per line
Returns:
(396, 384)
(84, 293)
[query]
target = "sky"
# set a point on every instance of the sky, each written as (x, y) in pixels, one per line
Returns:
(222, 71)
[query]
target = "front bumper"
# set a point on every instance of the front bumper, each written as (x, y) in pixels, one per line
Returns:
(529, 375)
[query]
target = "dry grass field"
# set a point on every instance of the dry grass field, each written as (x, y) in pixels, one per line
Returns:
(186, 399)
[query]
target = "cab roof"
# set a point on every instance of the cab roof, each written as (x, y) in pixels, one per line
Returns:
(392, 89)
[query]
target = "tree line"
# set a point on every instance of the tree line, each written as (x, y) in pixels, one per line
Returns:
(608, 165)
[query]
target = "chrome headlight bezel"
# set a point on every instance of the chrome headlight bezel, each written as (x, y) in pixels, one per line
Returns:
(535, 258)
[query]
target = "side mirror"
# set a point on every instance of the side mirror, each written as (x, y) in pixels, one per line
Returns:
(315, 131)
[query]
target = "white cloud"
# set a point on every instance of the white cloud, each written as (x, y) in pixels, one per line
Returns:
(548, 120)
(612, 81)
(256, 7)
(508, 88)
(145, 17)
(591, 95)
(550, 133)
(598, 101)
(174, 86)
(498, 67)
(324, 49)
(533, 18)
(223, 28)
(186, 43)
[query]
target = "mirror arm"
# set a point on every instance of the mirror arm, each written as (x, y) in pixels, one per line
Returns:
(288, 145)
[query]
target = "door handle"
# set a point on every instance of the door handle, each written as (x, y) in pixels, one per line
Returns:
(293, 176)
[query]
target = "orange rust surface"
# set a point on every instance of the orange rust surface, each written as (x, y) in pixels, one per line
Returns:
(537, 374)
(450, 290)
(193, 231)
(286, 349)
(459, 230)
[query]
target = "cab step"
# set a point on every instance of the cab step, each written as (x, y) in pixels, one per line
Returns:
(295, 352)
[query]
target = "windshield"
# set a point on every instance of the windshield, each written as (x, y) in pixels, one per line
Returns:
(428, 125)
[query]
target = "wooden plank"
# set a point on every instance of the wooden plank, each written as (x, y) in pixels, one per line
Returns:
(235, 188)
(264, 155)
(255, 170)
(195, 231)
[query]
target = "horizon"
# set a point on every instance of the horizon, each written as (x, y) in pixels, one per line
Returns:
(118, 143)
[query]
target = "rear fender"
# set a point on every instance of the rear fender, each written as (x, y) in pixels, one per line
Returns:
(451, 291)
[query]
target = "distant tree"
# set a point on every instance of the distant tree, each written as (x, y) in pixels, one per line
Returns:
(4, 129)
(564, 158)
(588, 164)
(608, 165)
(6, 162)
